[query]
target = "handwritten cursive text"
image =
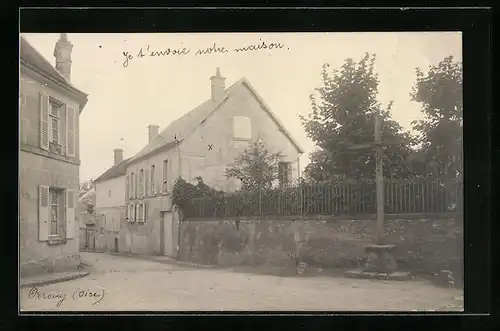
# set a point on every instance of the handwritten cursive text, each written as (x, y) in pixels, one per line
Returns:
(215, 48)
(95, 296)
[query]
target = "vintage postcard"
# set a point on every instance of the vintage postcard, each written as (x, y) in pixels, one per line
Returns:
(241, 171)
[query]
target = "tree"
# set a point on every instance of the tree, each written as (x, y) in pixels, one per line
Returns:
(440, 93)
(85, 186)
(342, 115)
(256, 167)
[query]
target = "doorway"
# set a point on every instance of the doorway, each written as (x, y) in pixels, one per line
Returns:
(166, 235)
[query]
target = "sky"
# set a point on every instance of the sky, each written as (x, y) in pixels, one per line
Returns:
(123, 101)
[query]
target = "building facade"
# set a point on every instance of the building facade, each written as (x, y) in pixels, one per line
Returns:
(104, 235)
(199, 144)
(50, 107)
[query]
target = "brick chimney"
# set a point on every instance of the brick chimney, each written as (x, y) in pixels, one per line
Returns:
(62, 53)
(153, 131)
(118, 155)
(218, 86)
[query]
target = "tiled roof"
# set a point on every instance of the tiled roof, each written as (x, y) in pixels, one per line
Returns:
(117, 170)
(29, 54)
(183, 127)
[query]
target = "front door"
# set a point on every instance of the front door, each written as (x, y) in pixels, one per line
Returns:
(166, 239)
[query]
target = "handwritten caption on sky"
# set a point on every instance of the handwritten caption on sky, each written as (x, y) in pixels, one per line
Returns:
(149, 51)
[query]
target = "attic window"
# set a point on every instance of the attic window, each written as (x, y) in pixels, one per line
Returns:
(242, 128)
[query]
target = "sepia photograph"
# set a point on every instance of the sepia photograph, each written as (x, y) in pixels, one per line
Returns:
(311, 171)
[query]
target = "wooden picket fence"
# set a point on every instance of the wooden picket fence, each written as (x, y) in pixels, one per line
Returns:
(427, 196)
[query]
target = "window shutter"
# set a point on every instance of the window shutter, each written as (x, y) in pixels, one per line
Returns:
(135, 212)
(127, 189)
(143, 212)
(70, 214)
(70, 131)
(146, 182)
(289, 173)
(43, 213)
(127, 213)
(44, 121)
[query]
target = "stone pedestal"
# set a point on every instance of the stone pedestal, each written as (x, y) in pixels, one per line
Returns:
(380, 264)
(380, 258)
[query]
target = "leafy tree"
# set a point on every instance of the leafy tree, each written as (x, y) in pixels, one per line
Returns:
(440, 93)
(343, 114)
(256, 167)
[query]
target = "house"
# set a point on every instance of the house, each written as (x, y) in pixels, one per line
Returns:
(86, 210)
(200, 143)
(110, 206)
(50, 107)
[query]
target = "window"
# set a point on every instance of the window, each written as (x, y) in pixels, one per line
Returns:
(55, 212)
(152, 179)
(54, 122)
(136, 187)
(165, 176)
(141, 182)
(242, 128)
(132, 185)
(284, 174)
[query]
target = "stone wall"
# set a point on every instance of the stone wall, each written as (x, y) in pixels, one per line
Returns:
(39, 256)
(422, 245)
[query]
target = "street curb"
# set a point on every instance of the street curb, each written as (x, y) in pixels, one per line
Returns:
(55, 280)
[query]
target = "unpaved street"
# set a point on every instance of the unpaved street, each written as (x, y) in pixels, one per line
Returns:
(126, 284)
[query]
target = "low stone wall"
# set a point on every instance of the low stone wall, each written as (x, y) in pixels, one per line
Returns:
(422, 245)
(50, 265)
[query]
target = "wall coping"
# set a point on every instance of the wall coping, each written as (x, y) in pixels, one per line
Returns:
(371, 217)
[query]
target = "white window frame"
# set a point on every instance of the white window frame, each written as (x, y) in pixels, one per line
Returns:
(240, 122)
(57, 118)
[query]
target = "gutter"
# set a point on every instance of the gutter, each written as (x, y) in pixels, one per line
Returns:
(83, 97)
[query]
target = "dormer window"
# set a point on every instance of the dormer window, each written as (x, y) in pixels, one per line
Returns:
(242, 128)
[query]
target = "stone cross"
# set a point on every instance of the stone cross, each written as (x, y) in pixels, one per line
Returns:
(377, 145)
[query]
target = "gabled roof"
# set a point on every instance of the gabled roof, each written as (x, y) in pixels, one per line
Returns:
(119, 169)
(31, 57)
(184, 126)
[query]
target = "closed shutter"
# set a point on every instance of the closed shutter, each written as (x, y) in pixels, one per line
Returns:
(126, 189)
(70, 214)
(44, 121)
(43, 213)
(134, 208)
(70, 131)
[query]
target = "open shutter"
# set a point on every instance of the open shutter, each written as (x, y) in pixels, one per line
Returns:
(70, 131)
(44, 121)
(289, 174)
(146, 182)
(134, 212)
(127, 213)
(43, 213)
(70, 214)
(143, 212)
